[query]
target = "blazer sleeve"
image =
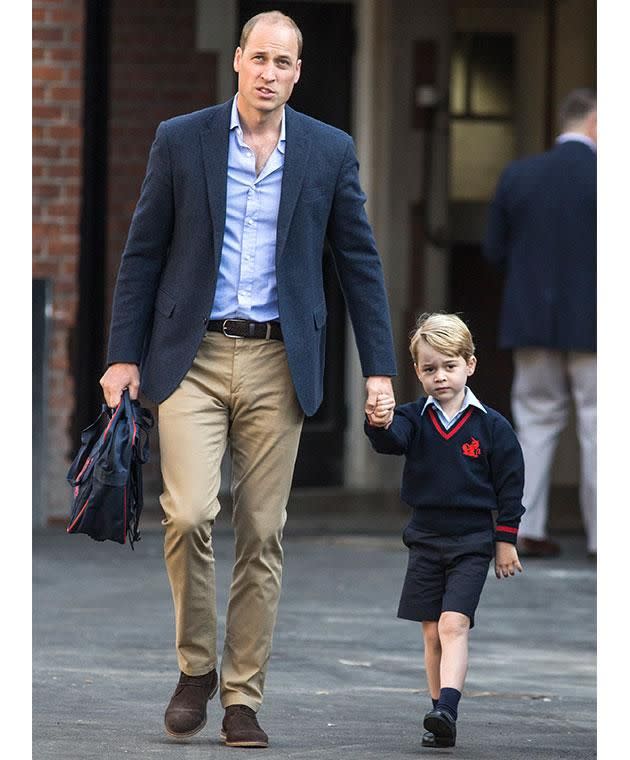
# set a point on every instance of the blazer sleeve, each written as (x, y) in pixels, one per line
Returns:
(360, 271)
(143, 257)
(508, 476)
(497, 237)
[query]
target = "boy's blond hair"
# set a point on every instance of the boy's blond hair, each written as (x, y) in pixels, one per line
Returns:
(445, 333)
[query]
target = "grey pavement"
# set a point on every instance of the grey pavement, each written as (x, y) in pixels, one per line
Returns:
(346, 678)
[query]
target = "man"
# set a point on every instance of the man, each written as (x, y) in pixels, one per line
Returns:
(542, 233)
(220, 301)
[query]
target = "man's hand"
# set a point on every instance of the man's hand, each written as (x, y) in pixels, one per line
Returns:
(375, 386)
(383, 413)
(506, 560)
(116, 379)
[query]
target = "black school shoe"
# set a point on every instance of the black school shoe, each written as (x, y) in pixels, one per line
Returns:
(441, 727)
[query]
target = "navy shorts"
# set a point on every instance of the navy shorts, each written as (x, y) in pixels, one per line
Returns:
(444, 574)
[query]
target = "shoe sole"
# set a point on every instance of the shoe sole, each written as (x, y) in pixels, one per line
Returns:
(188, 734)
(241, 744)
(438, 743)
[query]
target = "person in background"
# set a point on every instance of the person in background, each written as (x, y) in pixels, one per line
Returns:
(541, 233)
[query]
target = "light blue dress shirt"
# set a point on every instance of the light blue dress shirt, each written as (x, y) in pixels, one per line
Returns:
(469, 400)
(247, 285)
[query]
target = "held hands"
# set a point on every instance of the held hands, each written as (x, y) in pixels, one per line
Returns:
(380, 403)
(506, 560)
(116, 379)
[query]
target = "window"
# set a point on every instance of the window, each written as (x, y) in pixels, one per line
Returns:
(482, 93)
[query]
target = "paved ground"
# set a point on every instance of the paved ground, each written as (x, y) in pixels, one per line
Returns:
(346, 677)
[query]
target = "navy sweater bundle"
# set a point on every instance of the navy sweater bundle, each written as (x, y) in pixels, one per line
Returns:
(455, 477)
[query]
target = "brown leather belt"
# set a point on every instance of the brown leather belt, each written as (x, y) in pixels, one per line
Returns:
(242, 328)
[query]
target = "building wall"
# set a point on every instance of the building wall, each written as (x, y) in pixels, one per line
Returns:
(156, 72)
(58, 29)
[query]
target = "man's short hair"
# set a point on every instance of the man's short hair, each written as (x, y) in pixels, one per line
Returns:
(577, 106)
(445, 333)
(273, 17)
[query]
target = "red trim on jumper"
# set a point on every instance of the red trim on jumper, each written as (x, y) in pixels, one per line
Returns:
(452, 432)
(506, 529)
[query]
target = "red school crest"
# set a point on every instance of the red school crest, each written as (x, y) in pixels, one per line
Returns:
(472, 448)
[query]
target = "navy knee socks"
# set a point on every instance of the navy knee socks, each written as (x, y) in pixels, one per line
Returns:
(448, 701)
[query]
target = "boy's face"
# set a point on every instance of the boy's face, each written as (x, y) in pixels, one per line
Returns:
(443, 377)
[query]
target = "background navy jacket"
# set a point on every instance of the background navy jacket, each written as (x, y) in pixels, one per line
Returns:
(168, 273)
(542, 232)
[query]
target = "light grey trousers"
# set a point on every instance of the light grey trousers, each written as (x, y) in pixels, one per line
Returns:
(545, 384)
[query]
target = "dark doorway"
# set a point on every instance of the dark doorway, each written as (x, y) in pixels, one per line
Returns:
(324, 92)
(475, 293)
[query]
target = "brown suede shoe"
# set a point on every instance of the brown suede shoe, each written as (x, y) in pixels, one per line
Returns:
(186, 712)
(534, 547)
(240, 728)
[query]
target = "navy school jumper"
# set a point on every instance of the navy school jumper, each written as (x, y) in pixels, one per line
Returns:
(453, 477)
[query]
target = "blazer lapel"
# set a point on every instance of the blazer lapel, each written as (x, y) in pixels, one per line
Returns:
(296, 155)
(214, 145)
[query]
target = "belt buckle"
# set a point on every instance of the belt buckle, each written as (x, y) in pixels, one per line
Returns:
(225, 332)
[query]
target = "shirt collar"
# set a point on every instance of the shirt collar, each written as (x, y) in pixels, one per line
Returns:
(235, 122)
(578, 137)
(469, 400)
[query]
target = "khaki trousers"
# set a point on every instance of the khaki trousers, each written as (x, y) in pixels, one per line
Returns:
(238, 392)
(545, 383)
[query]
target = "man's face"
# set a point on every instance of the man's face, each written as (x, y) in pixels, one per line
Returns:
(268, 66)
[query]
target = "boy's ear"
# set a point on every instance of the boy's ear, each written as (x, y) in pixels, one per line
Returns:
(417, 370)
(471, 365)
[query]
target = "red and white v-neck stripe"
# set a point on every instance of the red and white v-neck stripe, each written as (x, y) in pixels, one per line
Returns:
(450, 433)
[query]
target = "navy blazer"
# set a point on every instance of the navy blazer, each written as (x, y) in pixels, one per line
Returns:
(168, 272)
(542, 232)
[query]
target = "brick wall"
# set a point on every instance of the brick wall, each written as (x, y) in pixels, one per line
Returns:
(58, 27)
(155, 73)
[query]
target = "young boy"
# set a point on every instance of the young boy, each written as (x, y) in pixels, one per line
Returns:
(463, 460)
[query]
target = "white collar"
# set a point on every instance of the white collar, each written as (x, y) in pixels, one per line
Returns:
(469, 400)
(577, 137)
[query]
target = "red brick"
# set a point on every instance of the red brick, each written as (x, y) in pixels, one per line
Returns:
(68, 53)
(41, 113)
(46, 150)
(66, 93)
(45, 191)
(66, 16)
(67, 171)
(66, 132)
(47, 34)
(47, 73)
(63, 209)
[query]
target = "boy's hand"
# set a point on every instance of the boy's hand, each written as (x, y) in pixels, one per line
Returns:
(506, 560)
(382, 412)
